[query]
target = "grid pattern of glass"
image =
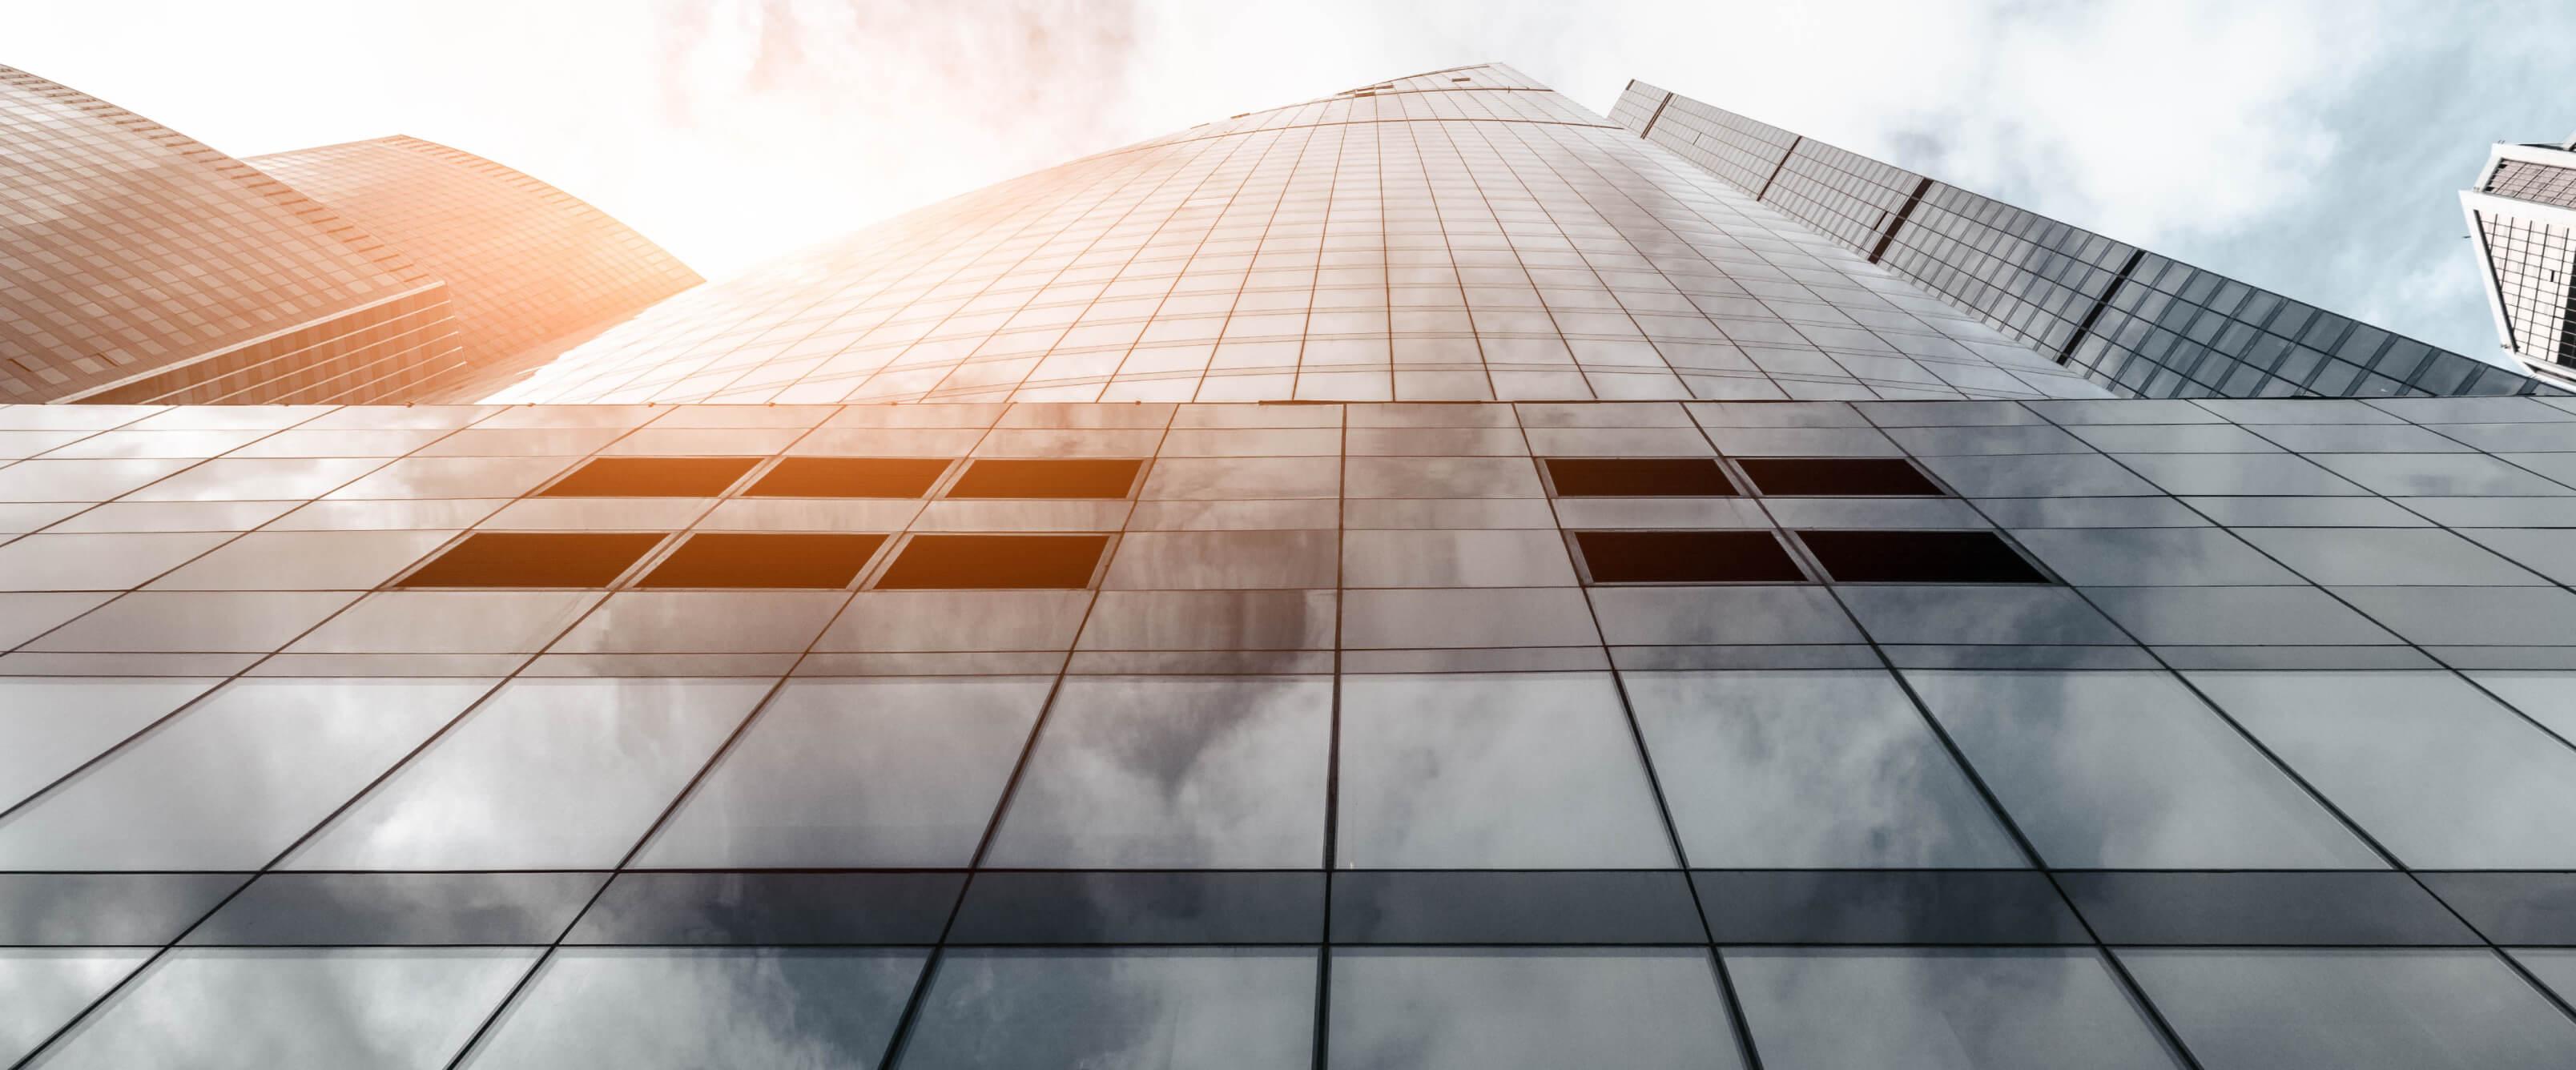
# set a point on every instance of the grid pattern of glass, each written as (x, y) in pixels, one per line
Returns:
(2223, 733)
(139, 265)
(2530, 180)
(530, 269)
(2134, 322)
(2535, 274)
(1459, 235)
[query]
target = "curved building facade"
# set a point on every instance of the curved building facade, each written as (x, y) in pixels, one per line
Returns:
(530, 269)
(137, 264)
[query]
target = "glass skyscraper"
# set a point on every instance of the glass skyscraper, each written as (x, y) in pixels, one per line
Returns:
(2522, 214)
(1423, 578)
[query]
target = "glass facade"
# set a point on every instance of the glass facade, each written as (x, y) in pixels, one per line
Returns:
(138, 265)
(1742, 696)
(1963, 734)
(530, 269)
(2523, 214)
(2139, 324)
(1463, 235)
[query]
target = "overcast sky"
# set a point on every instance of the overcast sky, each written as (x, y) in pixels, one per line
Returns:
(2312, 146)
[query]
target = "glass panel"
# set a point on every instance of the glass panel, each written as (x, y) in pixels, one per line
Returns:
(233, 782)
(41, 991)
(255, 1010)
(1181, 774)
(550, 774)
(1234, 1008)
(1488, 1009)
(858, 773)
(2353, 1010)
(2123, 770)
(1962, 1010)
(2434, 770)
(1802, 770)
(54, 725)
(1535, 771)
(638, 1008)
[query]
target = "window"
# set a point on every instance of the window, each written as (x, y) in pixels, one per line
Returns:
(1686, 557)
(996, 561)
(535, 559)
(763, 559)
(849, 477)
(1836, 476)
(651, 477)
(1634, 477)
(1918, 557)
(1059, 478)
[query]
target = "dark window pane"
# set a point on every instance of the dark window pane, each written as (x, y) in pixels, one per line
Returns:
(2262, 908)
(1918, 557)
(1062, 478)
(1524, 907)
(1885, 907)
(849, 477)
(1832, 476)
(996, 561)
(771, 908)
(764, 560)
(534, 559)
(651, 477)
(316, 909)
(1686, 557)
(1142, 908)
(1631, 477)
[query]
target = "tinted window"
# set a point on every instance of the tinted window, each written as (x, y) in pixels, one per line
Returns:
(996, 561)
(534, 559)
(651, 477)
(1686, 557)
(1631, 477)
(1918, 557)
(1832, 476)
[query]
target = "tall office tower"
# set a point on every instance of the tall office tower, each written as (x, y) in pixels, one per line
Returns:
(2523, 216)
(530, 269)
(1840, 698)
(139, 265)
(2140, 324)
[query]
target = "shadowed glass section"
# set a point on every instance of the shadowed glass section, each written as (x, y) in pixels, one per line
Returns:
(534, 559)
(848, 477)
(1634, 477)
(1686, 557)
(732, 559)
(994, 562)
(1051, 478)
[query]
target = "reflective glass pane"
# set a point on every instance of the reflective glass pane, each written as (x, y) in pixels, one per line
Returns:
(1235, 1008)
(1998, 1009)
(42, 991)
(2123, 770)
(234, 781)
(1800, 770)
(550, 774)
(640, 1008)
(54, 725)
(1641, 1009)
(858, 773)
(2435, 771)
(1181, 774)
(257, 1010)
(2353, 1010)
(1535, 771)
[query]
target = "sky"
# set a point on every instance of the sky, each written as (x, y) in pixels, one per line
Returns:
(2310, 146)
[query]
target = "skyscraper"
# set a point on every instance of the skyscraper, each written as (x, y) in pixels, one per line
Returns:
(1696, 646)
(2133, 321)
(530, 269)
(139, 265)
(2522, 214)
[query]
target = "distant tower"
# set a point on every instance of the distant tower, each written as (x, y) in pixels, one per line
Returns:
(2522, 214)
